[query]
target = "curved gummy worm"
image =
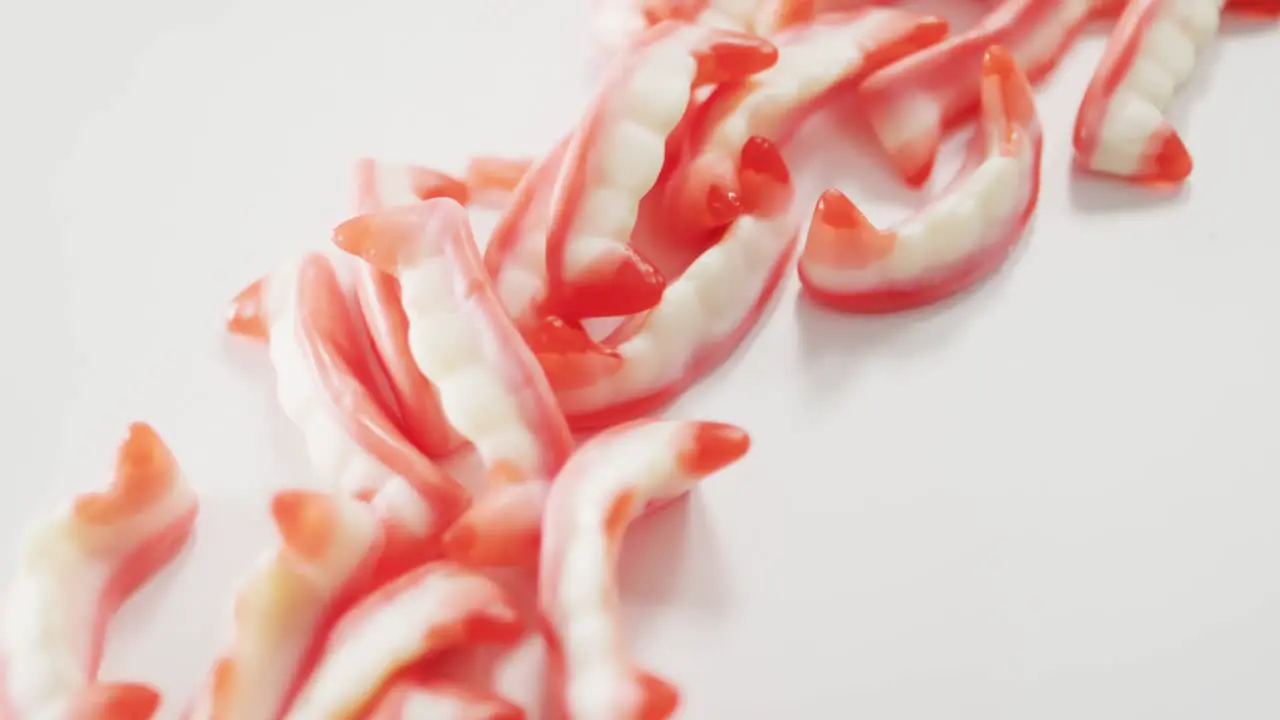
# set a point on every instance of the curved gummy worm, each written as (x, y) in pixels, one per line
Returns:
(814, 61)
(380, 185)
(74, 572)
(285, 607)
(704, 314)
(333, 549)
(490, 385)
(420, 614)
(434, 700)
(607, 482)
(913, 102)
(1121, 129)
(323, 384)
(961, 237)
(615, 157)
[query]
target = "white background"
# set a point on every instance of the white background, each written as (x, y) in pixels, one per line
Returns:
(1053, 498)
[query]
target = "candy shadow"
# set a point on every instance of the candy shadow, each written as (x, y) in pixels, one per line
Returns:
(673, 555)
(1237, 25)
(1097, 194)
(835, 345)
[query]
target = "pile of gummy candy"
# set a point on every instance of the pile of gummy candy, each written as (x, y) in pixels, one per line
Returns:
(629, 262)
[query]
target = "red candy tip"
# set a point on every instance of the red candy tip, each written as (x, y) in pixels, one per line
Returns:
(306, 521)
(729, 56)
(841, 235)
(659, 698)
(395, 237)
(248, 314)
(629, 284)
(712, 447)
(723, 205)
(116, 701)
(1171, 162)
(145, 470)
(1008, 107)
(765, 180)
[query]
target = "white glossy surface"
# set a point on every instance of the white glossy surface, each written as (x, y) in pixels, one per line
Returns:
(1054, 498)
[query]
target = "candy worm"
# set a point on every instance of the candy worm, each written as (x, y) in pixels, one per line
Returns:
(607, 483)
(323, 384)
(285, 607)
(913, 102)
(413, 700)
(705, 313)
(380, 185)
(434, 608)
(74, 572)
(489, 382)
(616, 155)
(959, 238)
(815, 62)
(332, 550)
(1121, 129)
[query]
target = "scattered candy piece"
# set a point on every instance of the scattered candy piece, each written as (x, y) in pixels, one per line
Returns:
(490, 385)
(408, 700)
(959, 238)
(705, 313)
(74, 572)
(288, 603)
(913, 102)
(608, 482)
(1121, 129)
(323, 383)
(437, 607)
(378, 186)
(815, 60)
(615, 157)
